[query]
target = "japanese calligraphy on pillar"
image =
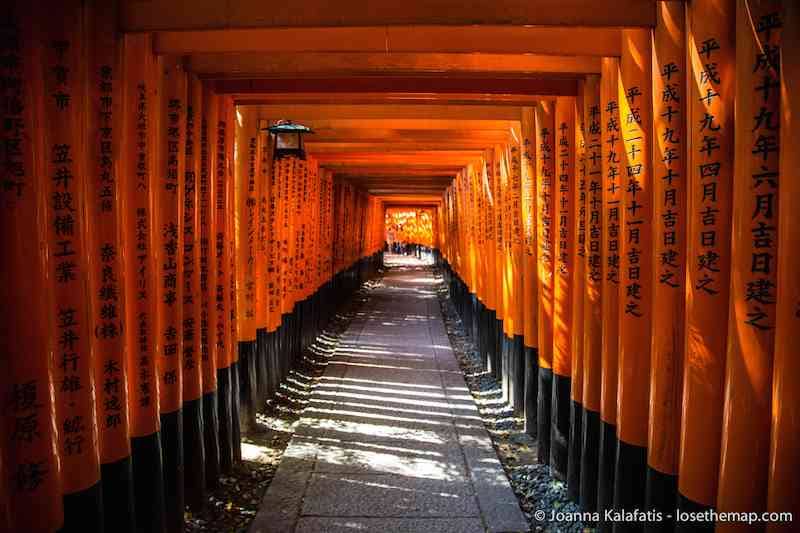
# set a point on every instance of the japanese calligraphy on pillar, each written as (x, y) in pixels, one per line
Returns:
(138, 216)
(763, 168)
(105, 257)
(30, 469)
(594, 200)
(168, 191)
(65, 170)
(710, 117)
(190, 323)
(221, 288)
(207, 257)
(635, 200)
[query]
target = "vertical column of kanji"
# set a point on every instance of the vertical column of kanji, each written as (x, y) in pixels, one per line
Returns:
(245, 236)
(784, 463)
(488, 214)
(564, 264)
(263, 274)
(105, 270)
(472, 267)
(545, 204)
(167, 188)
(712, 52)
(503, 169)
(592, 312)
(30, 467)
(744, 456)
(206, 186)
(611, 157)
(500, 263)
(273, 267)
(529, 270)
(669, 258)
(221, 283)
(233, 316)
(635, 308)
(65, 106)
(139, 109)
(480, 229)
(517, 256)
(578, 278)
(193, 448)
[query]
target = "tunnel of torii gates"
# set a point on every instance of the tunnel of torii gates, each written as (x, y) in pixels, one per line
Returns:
(615, 196)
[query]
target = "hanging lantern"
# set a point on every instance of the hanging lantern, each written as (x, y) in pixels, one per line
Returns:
(289, 139)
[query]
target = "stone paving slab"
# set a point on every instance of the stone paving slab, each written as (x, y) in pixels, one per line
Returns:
(382, 525)
(392, 440)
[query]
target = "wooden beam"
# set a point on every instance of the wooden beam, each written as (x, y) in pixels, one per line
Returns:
(391, 111)
(548, 40)
(148, 15)
(441, 84)
(344, 64)
(388, 98)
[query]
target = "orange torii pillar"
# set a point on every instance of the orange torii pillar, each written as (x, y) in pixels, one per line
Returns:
(167, 188)
(246, 185)
(220, 281)
(545, 224)
(489, 318)
(635, 302)
(65, 164)
(669, 252)
(500, 263)
(710, 41)
(140, 106)
(106, 271)
(267, 277)
(563, 282)
(610, 246)
(191, 351)
(207, 264)
(515, 364)
(578, 298)
(744, 455)
(784, 463)
(530, 271)
(29, 439)
(592, 310)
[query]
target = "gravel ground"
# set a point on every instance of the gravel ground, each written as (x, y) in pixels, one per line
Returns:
(533, 484)
(233, 505)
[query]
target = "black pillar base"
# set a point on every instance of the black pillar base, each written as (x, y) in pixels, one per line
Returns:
(629, 483)
(516, 374)
(497, 370)
(148, 483)
(544, 402)
(590, 460)
(83, 510)
(262, 370)
(194, 454)
(575, 449)
(172, 448)
(531, 389)
(211, 438)
(118, 506)
(661, 496)
(224, 410)
(559, 431)
(248, 394)
(607, 463)
(505, 359)
(236, 415)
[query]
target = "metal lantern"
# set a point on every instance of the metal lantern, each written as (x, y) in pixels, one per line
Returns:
(289, 139)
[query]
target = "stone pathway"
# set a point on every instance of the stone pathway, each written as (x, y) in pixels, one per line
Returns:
(391, 439)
